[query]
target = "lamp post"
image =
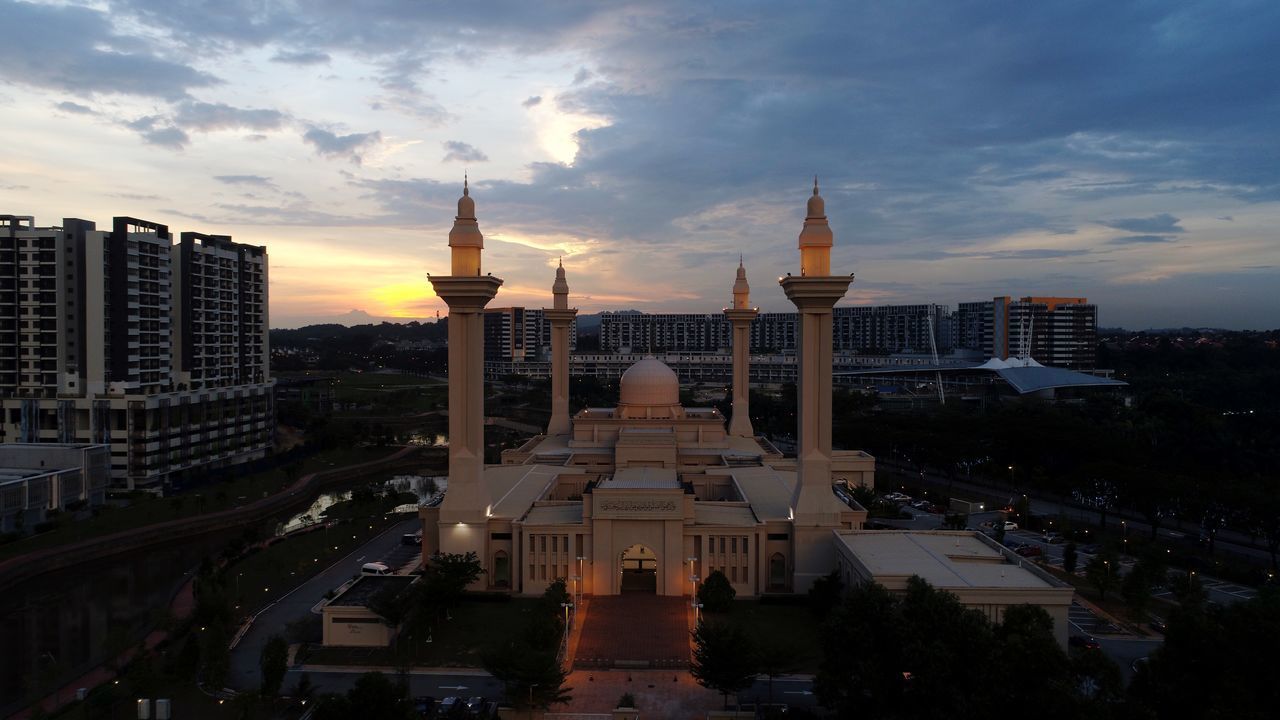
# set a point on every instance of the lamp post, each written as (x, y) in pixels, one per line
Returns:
(1011, 477)
(697, 613)
(693, 572)
(567, 606)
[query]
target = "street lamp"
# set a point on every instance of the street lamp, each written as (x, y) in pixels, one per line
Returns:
(697, 612)
(566, 607)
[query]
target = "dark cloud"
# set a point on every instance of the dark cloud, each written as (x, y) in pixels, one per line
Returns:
(457, 151)
(1162, 223)
(1140, 240)
(257, 180)
(74, 108)
(348, 146)
(207, 117)
(582, 76)
(75, 49)
(532, 101)
(301, 57)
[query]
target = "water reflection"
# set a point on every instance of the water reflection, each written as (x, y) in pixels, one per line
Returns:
(428, 489)
(428, 439)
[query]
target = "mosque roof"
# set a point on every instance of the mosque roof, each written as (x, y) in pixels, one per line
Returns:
(649, 382)
(768, 490)
(514, 488)
(567, 514)
(716, 513)
(642, 478)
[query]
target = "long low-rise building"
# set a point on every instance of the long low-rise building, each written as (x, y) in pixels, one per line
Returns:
(981, 573)
(36, 478)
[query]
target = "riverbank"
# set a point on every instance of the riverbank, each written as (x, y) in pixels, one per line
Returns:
(30, 565)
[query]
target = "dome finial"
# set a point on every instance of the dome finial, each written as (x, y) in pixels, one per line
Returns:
(815, 184)
(467, 191)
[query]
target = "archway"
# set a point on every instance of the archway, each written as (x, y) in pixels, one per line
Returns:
(639, 567)
(501, 569)
(777, 572)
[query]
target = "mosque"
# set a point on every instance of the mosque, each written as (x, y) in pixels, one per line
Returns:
(648, 494)
(651, 496)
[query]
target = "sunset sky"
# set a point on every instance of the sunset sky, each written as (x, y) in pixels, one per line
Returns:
(1123, 151)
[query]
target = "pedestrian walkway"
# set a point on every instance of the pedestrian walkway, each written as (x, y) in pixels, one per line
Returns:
(634, 630)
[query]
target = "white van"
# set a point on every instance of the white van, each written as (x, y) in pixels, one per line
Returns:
(375, 568)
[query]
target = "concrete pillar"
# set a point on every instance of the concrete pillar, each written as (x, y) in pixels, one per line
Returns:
(815, 510)
(560, 315)
(740, 422)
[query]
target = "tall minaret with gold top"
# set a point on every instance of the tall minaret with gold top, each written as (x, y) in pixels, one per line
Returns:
(740, 317)
(466, 290)
(560, 315)
(814, 508)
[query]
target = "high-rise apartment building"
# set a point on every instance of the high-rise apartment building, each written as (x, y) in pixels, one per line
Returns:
(1058, 331)
(517, 334)
(120, 337)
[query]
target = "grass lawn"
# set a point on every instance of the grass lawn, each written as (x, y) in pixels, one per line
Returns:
(390, 393)
(458, 642)
(146, 509)
(780, 626)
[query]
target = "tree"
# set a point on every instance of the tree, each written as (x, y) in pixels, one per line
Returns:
(377, 696)
(215, 656)
(716, 594)
(777, 656)
(1069, 557)
(1216, 662)
(825, 594)
(274, 663)
(1102, 572)
(447, 576)
(724, 658)
(1032, 671)
(531, 677)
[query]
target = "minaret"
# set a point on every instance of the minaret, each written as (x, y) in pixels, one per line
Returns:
(740, 317)
(466, 291)
(560, 315)
(815, 509)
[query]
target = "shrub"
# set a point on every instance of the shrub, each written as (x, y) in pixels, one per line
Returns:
(716, 594)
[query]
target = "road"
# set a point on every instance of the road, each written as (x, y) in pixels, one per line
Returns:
(421, 683)
(297, 603)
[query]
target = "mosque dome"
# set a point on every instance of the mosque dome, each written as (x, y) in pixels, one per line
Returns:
(649, 383)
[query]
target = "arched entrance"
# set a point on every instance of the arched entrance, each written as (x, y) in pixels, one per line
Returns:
(639, 567)
(501, 569)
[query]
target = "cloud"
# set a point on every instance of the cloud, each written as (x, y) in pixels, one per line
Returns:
(75, 49)
(1162, 223)
(348, 146)
(74, 108)
(457, 151)
(256, 180)
(208, 117)
(531, 101)
(1140, 240)
(169, 137)
(582, 76)
(301, 57)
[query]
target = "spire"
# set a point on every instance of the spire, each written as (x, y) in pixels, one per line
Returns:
(560, 289)
(741, 290)
(816, 238)
(465, 238)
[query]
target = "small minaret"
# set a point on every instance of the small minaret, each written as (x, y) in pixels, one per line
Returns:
(740, 317)
(814, 508)
(466, 292)
(560, 315)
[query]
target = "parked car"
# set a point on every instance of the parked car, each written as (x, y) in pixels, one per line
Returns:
(1054, 538)
(411, 538)
(1083, 642)
(1158, 624)
(1029, 551)
(375, 568)
(448, 704)
(475, 705)
(424, 706)
(1009, 525)
(1139, 663)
